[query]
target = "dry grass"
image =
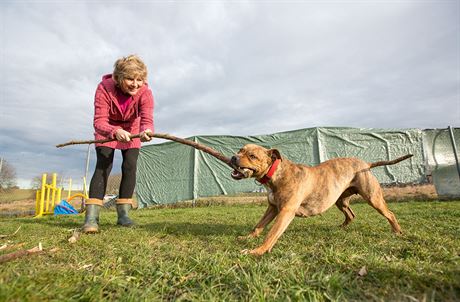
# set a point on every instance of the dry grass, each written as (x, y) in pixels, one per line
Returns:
(18, 205)
(416, 192)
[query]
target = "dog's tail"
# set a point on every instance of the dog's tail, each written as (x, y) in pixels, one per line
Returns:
(390, 162)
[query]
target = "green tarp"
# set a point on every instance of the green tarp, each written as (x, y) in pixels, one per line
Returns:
(171, 172)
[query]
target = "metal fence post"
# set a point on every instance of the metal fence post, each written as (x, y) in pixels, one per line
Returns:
(454, 146)
(85, 189)
(195, 173)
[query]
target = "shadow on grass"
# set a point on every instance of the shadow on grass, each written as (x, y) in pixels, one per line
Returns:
(164, 227)
(195, 229)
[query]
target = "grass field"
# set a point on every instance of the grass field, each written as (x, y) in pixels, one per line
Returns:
(188, 254)
(9, 196)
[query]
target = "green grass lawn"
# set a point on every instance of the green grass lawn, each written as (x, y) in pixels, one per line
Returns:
(192, 254)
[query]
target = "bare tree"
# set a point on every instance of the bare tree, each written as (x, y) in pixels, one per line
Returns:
(7, 175)
(36, 182)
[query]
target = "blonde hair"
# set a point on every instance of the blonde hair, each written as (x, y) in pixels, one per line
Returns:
(129, 67)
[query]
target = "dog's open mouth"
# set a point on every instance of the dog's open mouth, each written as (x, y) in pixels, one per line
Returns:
(240, 173)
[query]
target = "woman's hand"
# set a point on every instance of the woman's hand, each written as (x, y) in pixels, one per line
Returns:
(146, 135)
(122, 135)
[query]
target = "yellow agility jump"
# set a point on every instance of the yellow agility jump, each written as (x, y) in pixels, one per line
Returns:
(49, 195)
(46, 197)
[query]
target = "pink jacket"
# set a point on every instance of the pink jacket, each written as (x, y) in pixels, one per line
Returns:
(108, 117)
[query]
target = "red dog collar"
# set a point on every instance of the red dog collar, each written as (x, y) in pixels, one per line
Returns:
(270, 173)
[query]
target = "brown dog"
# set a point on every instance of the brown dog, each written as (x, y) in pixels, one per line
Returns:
(300, 190)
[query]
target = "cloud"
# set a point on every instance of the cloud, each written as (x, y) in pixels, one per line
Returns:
(242, 68)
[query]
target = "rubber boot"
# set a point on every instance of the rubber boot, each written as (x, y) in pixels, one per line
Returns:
(122, 211)
(91, 219)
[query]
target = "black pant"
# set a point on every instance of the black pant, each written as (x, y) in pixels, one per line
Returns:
(104, 164)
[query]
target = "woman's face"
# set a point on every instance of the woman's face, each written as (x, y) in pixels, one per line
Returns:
(132, 85)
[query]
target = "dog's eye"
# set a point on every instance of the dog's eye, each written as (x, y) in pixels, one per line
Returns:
(252, 156)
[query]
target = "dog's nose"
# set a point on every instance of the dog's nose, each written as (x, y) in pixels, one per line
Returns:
(234, 160)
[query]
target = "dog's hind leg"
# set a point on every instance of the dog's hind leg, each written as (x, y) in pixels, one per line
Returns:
(369, 188)
(344, 205)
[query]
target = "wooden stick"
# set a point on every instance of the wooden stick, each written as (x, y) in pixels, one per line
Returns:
(21, 253)
(193, 144)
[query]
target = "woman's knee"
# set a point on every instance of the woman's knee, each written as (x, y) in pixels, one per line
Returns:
(129, 164)
(104, 157)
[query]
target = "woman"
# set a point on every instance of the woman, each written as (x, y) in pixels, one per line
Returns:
(123, 105)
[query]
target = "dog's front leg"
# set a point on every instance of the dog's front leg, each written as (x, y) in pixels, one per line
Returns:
(282, 221)
(270, 213)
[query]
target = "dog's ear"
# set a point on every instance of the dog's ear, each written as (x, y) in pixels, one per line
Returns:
(274, 154)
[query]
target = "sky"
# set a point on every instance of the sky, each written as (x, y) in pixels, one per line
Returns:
(223, 68)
